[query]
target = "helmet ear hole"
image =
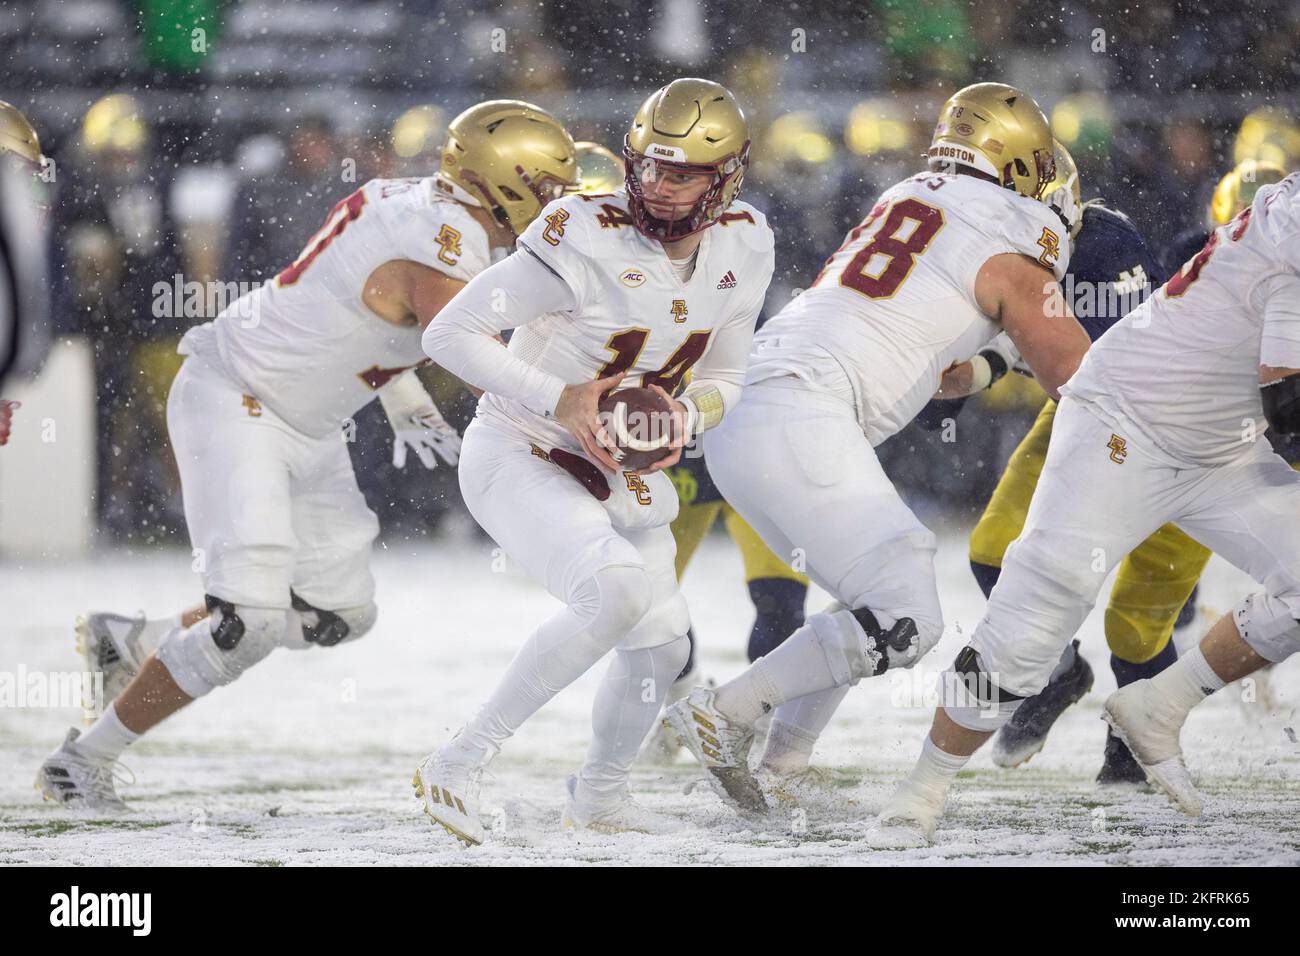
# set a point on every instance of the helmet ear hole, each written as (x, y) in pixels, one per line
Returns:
(1021, 168)
(509, 193)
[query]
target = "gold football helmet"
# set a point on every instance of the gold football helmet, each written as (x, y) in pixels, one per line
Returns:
(688, 126)
(1237, 190)
(512, 155)
(600, 171)
(1000, 131)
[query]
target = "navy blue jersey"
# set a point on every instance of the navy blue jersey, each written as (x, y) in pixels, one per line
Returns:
(1112, 270)
(1185, 245)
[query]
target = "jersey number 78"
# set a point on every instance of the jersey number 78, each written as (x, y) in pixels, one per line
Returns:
(898, 254)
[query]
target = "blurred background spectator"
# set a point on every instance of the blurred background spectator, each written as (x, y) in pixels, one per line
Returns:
(208, 139)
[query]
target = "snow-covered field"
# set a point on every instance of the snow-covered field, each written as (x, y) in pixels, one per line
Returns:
(308, 758)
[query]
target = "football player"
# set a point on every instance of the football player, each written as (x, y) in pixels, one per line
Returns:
(945, 260)
(259, 412)
(1112, 270)
(1164, 421)
(24, 300)
(664, 277)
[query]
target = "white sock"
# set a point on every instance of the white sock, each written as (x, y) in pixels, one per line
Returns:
(796, 727)
(936, 769)
(788, 749)
(622, 716)
(107, 738)
(794, 669)
(1188, 681)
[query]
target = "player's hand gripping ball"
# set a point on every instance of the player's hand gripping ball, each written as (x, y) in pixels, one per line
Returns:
(640, 421)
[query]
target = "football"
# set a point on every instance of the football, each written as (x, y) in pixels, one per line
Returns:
(640, 421)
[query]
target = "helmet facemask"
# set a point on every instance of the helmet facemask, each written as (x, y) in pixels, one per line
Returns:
(728, 174)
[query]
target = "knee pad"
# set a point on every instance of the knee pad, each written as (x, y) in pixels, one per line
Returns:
(215, 651)
(1266, 623)
(310, 626)
(971, 699)
(856, 645)
(616, 600)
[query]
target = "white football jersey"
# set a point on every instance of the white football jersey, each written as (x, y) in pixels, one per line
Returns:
(304, 343)
(1183, 370)
(895, 304)
(632, 311)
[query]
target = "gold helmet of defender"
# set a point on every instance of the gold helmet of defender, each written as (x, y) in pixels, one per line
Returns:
(1237, 190)
(1000, 131)
(1067, 177)
(600, 171)
(511, 155)
(688, 126)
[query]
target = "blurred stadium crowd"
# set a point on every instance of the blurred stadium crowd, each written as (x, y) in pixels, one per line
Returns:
(203, 141)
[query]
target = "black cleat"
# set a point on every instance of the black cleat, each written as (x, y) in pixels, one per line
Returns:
(1119, 768)
(1026, 732)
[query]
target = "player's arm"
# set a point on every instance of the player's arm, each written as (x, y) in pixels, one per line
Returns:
(976, 374)
(1279, 354)
(1023, 296)
(464, 340)
(715, 385)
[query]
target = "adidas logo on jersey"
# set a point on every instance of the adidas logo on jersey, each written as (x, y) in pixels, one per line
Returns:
(728, 281)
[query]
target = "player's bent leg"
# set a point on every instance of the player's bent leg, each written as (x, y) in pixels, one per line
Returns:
(600, 614)
(217, 650)
(189, 663)
(1050, 580)
(651, 654)
(598, 796)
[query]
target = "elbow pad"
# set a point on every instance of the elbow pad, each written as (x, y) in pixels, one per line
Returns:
(1282, 404)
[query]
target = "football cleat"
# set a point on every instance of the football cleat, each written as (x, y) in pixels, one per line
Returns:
(1119, 768)
(1026, 732)
(1149, 726)
(619, 815)
(449, 791)
(110, 644)
(721, 745)
(909, 819)
(70, 778)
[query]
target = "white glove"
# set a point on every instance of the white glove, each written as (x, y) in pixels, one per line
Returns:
(417, 422)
